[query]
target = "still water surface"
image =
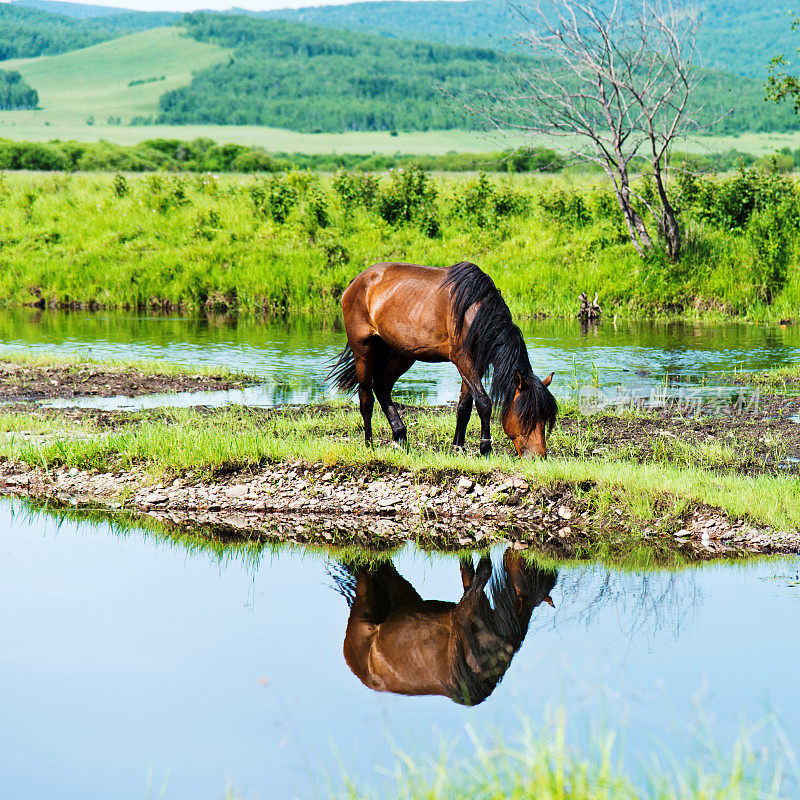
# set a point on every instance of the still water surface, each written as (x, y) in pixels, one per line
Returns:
(293, 358)
(129, 661)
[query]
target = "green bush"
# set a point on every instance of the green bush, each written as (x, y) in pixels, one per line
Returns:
(410, 197)
(355, 189)
(274, 198)
(567, 206)
(729, 203)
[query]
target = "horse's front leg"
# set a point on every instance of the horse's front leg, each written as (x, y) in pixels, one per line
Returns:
(483, 405)
(463, 412)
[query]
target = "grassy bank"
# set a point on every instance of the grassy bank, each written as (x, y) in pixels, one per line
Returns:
(292, 243)
(661, 480)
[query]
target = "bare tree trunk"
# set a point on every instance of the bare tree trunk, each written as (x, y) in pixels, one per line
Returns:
(669, 221)
(637, 231)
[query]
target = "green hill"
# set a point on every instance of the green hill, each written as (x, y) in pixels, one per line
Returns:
(121, 79)
(313, 79)
(737, 36)
(29, 32)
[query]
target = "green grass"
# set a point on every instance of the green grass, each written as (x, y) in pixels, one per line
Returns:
(191, 242)
(780, 378)
(186, 440)
(93, 83)
(544, 764)
(151, 368)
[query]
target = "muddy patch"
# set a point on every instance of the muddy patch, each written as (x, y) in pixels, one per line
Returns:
(25, 382)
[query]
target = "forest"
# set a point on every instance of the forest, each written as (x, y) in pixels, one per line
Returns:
(736, 36)
(311, 79)
(30, 32)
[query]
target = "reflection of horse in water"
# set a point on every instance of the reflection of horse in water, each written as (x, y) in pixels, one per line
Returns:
(398, 642)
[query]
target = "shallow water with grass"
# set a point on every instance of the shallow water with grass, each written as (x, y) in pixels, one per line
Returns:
(293, 356)
(136, 666)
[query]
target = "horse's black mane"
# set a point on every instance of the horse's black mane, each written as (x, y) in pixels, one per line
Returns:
(493, 340)
(506, 623)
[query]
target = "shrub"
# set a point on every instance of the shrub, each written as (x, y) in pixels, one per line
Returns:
(769, 236)
(355, 189)
(120, 185)
(162, 194)
(274, 198)
(254, 161)
(410, 197)
(729, 203)
(566, 206)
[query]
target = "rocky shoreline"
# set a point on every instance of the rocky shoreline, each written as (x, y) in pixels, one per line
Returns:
(315, 504)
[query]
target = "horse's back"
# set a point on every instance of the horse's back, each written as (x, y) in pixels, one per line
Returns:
(403, 305)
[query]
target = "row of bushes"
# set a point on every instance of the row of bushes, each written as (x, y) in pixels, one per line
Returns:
(205, 155)
(755, 211)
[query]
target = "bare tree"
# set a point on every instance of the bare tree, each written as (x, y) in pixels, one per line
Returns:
(613, 80)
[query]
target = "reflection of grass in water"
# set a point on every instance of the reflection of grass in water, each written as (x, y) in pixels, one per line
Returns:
(222, 546)
(544, 765)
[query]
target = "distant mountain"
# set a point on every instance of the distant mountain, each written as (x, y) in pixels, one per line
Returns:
(310, 78)
(738, 36)
(77, 10)
(26, 32)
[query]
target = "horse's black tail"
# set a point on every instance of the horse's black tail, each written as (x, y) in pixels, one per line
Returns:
(343, 372)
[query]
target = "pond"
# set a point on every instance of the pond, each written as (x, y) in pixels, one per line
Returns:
(293, 358)
(131, 661)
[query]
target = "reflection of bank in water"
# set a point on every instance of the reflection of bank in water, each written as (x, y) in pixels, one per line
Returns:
(397, 642)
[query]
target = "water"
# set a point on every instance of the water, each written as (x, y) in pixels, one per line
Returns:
(293, 358)
(130, 661)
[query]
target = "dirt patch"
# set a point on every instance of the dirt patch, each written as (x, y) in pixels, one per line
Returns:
(765, 443)
(23, 382)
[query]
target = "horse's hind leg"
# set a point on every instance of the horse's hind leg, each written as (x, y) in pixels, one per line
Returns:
(463, 412)
(363, 352)
(396, 365)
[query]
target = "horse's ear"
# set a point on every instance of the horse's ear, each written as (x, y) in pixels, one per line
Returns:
(519, 381)
(549, 601)
(546, 381)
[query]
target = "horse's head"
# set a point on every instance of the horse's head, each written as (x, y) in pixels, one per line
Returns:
(488, 635)
(530, 415)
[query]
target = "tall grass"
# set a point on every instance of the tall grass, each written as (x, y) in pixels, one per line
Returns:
(544, 765)
(194, 243)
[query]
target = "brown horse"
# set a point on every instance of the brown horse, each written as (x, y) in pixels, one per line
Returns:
(398, 642)
(396, 314)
